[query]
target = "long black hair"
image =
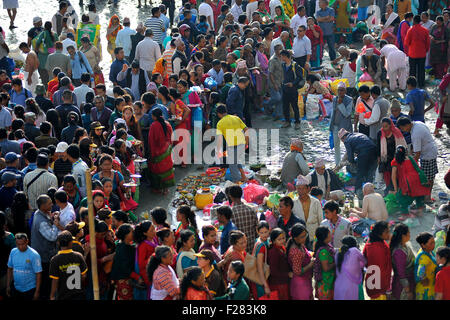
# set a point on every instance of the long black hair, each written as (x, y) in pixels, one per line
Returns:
(377, 231)
(192, 275)
(48, 27)
(157, 113)
(123, 230)
(162, 234)
(400, 230)
(159, 214)
(155, 260)
(274, 234)
(296, 230)
(400, 154)
(321, 234)
(140, 229)
(347, 243)
(189, 214)
(184, 237)
(444, 252)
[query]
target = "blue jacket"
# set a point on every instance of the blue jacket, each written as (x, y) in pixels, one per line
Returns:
(19, 98)
(360, 144)
(116, 67)
(235, 101)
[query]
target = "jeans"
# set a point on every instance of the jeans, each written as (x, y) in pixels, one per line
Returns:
(235, 159)
(330, 41)
(170, 5)
(290, 98)
(366, 166)
(276, 102)
(417, 69)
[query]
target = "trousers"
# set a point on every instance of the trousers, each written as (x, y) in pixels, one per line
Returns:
(417, 69)
(290, 99)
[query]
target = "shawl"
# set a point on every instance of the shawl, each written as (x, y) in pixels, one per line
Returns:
(190, 254)
(423, 178)
(113, 34)
(317, 268)
(391, 19)
(399, 140)
(159, 68)
(263, 61)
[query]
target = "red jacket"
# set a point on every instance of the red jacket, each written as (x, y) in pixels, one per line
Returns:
(379, 255)
(417, 41)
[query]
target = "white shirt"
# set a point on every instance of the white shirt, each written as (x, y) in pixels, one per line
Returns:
(301, 47)
(272, 5)
(68, 42)
(395, 58)
(298, 21)
(422, 141)
(147, 52)
(79, 173)
(80, 93)
(67, 215)
(205, 10)
(123, 39)
(274, 43)
(349, 74)
(315, 215)
(236, 11)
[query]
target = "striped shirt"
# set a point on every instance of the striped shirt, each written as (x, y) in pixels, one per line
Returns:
(167, 56)
(40, 186)
(157, 26)
(163, 280)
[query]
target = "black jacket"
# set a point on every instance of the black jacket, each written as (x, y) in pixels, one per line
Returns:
(297, 78)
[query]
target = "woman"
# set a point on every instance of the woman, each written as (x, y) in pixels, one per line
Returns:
(159, 217)
(403, 283)
(377, 254)
(444, 111)
(193, 287)
(282, 21)
(183, 120)
(143, 120)
(390, 21)
(133, 126)
(260, 253)
(160, 67)
(349, 271)
(277, 259)
(21, 212)
(32, 106)
(66, 28)
(301, 262)
(442, 277)
(123, 264)
(71, 188)
(187, 220)
(165, 284)
(111, 198)
(160, 144)
(186, 255)
(214, 280)
(166, 237)
(99, 202)
(402, 7)
(164, 99)
(440, 37)
(388, 139)
(92, 54)
(236, 251)
(114, 27)
(409, 181)
(425, 267)
(315, 35)
(238, 288)
(324, 264)
(96, 134)
(45, 44)
(107, 171)
(343, 27)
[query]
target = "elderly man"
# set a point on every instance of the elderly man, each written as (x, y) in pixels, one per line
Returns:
(373, 208)
(123, 38)
(148, 52)
(284, 36)
(372, 65)
(395, 62)
(136, 79)
(341, 117)
(320, 177)
(294, 163)
(179, 59)
(31, 131)
(306, 207)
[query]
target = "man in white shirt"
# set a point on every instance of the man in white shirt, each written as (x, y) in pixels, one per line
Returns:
(302, 48)
(81, 91)
(339, 226)
(66, 210)
(395, 64)
(284, 36)
(67, 42)
(236, 10)
(206, 10)
(299, 19)
(123, 38)
(147, 52)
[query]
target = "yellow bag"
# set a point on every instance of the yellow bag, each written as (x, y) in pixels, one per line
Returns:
(301, 106)
(370, 84)
(334, 84)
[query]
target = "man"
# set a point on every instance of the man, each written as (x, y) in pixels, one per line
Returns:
(44, 232)
(30, 156)
(24, 276)
(424, 148)
(379, 111)
(281, 40)
(117, 66)
(18, 93)
(366, 150)
(244, 216)
(5, 117)
(302, 48)
(418, 43)
(165, 20)
(31, 131)
(341, 117)
(123, 39)
(38, 181)
(68, 271)
(374, 207)
(58, 16)
(294, 163)
(320, 178)
(372, 65)
(236, 10)
(44, 103)
(206, 10)
(79, 167)
(44, 139)
(193, 31)
(156, 25)
(306, 207)
(8, 189)
(109, 101)
(101, 113)
(299, 19)
(65, 84)
(416, 99)
(81, 91)
(58, 59)
(66, 107)
(69, 41)
(30, 67)
(236, 98)
(148, 52)
(287, 218)
(136, 79)
(35, 31)
(66, 211)
(216, 72)
(233, 130)
(251, 7)
(168, 54)
(395, 64)
(325, 16)
(293, 79)
(119, 218)
(12, 164)
(62, 165)
(276, 74)
(339, 226)
(68, 133)
(79, 65)
(135, 39)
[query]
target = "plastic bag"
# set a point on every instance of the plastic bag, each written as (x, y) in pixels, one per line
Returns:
(255, 193)
(392, 205)
(210, 83)
(365, 77)
(273, 200)
(335, 83)
(312, 107)
(271, 220)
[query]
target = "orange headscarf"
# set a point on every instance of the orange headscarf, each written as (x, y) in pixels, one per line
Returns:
(114, 33)
(159, 68)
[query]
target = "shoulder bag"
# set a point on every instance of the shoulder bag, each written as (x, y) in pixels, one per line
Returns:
(251, 269)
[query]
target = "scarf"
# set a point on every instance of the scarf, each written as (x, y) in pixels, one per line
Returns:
(263, 61)
(423, 178)
(317, 268)
(113, 34)
(399, 140)
(159, 68)
(391, 19)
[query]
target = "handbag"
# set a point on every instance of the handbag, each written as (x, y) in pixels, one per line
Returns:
(251, 269)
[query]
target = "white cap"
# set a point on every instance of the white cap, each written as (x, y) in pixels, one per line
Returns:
(62, 147)
(37, 19)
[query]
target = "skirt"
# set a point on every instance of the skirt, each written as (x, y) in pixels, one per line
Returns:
(10, 4)
(124, 289)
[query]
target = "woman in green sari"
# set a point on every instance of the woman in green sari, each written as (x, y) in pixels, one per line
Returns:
(45, 45)
(288, 8)
(282, 21)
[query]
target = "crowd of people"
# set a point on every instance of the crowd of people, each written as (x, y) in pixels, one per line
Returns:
(218, 64)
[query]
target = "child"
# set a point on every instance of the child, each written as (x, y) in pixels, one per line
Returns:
(224, 214)
(416, 99)
(349, 72)
(76, 229)
(442, 287)
(238, 288)
(209, 234)
(214, 99)
(203, 26)
(193, 287)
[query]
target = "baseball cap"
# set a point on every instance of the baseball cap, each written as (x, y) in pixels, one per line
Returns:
(11, 157)
(96, 125)
(206, 254)
(37, 19)
(9, 176)
(74, 227)
(62, 147)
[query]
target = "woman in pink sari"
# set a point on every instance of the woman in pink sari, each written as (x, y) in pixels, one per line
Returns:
(301, 262)
(444, 111)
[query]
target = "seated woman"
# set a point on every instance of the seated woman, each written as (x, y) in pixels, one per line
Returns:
(315, 87)
(294, 163)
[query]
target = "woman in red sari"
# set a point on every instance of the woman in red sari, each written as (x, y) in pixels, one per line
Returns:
(160, 145)
(238, 242)
(277, 259)
(315, 34)
(182, 121)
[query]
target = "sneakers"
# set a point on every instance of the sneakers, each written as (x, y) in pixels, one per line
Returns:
(286, 125)
(297, 126)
